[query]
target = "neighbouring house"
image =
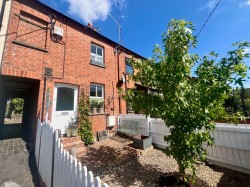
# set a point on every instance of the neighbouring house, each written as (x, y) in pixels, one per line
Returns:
(48, 58)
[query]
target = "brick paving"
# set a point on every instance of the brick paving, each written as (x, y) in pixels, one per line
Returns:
(112, 152)
(17, 161)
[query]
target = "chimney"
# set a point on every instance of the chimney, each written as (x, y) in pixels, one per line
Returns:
(90, 25)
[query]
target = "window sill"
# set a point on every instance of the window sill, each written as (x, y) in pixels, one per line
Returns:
(97, 114)
(101, 65)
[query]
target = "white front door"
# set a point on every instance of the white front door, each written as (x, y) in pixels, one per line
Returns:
(64, 107)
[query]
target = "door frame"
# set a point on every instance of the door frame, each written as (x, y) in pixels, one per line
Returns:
(76, 92)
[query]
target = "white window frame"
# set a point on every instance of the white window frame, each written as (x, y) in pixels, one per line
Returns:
(96, 97)
(127, 63)
(95, 58)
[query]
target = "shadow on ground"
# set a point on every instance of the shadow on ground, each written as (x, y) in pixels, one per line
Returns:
(122, 166)
(231, 178)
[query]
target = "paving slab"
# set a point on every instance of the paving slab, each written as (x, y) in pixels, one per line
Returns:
(17, 161)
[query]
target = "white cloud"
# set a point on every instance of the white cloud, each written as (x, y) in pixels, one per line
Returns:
(210, 5)
(92, 10)
(245, 4)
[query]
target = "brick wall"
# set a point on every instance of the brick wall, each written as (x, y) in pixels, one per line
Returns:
(29, 49)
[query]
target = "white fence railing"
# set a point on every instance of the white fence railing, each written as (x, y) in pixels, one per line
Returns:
(158, 129)
(56, 166)
(231, 146)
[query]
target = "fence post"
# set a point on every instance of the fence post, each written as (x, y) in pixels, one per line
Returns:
(97, 182)
(56, 135)
(85, 176)
(41, 133)
(148, 121)
(90, 179)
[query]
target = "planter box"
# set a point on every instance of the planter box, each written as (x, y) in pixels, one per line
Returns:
(142, 142)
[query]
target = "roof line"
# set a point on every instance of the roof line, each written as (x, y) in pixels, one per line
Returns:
(92, 31)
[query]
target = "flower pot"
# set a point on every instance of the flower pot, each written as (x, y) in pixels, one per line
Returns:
(100, 110)
(142, 142)
(94, 110)
(68, 132)
(74, 131)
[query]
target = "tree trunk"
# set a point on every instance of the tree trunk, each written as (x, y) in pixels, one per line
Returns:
(181, 170)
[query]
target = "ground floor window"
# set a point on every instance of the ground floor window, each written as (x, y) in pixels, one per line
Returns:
(96, 97)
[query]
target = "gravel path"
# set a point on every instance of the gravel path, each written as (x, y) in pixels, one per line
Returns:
(147, 168)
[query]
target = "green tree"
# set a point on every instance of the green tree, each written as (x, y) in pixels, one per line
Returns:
(247, 92)
(85, 130)
(238, 101)
(18, 104)
(233, 103)
(187, 105)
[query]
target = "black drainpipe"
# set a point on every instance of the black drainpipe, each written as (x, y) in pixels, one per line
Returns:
(2, 12)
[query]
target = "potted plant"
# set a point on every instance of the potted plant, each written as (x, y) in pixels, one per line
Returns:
(74, 131)
(100, 108)
(93, 105)
(72, 128)
(68, 132)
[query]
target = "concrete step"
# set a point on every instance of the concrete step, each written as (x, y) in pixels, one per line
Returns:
(74, 142)
(70, 139)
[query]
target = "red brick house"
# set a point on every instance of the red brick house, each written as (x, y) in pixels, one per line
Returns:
(48, 58)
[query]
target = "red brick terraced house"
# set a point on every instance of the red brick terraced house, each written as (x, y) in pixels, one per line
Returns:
(47, 58)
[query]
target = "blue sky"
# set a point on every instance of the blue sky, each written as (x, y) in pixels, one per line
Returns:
(144, 21)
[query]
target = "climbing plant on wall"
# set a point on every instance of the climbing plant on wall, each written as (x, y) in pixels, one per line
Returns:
(85, 129)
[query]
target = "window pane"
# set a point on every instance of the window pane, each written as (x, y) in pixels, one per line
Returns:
(65, 99)
(93, 90)
(127, 61)
(129, 69)
(99, 90)
(99, 51)
(93, 49)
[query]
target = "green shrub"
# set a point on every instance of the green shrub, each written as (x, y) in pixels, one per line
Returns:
(85, 130)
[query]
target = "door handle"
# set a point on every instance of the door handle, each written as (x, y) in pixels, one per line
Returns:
(64, 113)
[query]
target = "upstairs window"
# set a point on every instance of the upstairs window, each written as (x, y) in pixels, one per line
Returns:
(129, 68)
(97, 55)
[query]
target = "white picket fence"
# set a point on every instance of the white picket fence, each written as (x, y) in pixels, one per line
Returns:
(56, 166)
(231, 147)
